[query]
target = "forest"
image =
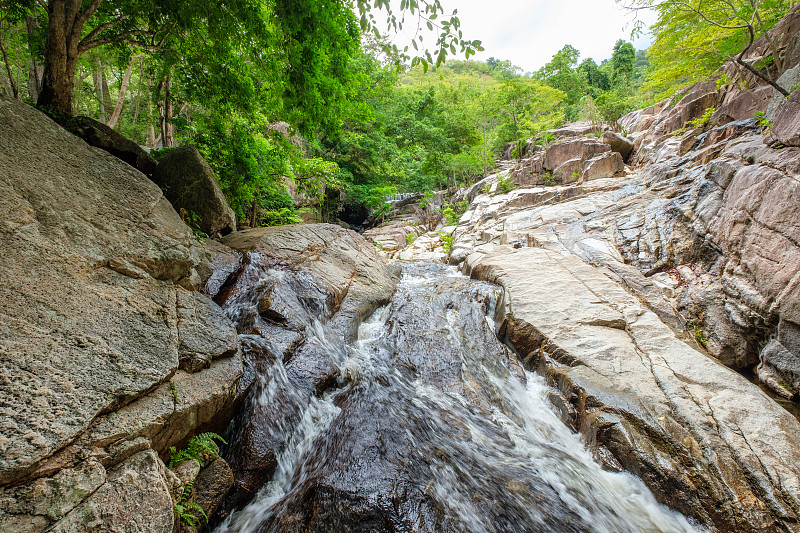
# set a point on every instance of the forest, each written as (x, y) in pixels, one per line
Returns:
(289, 100)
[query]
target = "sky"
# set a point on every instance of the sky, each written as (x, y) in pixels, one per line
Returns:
(530, 33)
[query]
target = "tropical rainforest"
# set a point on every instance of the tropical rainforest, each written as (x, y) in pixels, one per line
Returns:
(310, 99)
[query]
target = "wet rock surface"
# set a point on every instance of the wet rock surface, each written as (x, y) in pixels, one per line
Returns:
(296, 301)
(428, 428)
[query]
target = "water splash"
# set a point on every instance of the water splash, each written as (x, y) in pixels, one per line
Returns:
(434, 427)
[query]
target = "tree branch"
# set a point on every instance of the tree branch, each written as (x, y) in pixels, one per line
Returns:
(103, 27)
(124, 37)
(686, 7)
(81, 20)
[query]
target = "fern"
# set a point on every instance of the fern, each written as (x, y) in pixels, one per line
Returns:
(186, 512)
(199, 447)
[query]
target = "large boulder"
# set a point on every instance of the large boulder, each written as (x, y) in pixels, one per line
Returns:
(704, 439)
(98, 134)
(569, 171)
(297, 300)
(583, 149)
(786, 128)
(618, 143)
(605, 165)
(98, 272)
(189, 183)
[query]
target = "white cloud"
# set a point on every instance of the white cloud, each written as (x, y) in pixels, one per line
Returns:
(529, 33)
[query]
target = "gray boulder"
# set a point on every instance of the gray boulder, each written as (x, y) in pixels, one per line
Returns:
(135, 497)
(98, 134)
(190, 185)
(618, 143)
(96, 319)
(787, 121)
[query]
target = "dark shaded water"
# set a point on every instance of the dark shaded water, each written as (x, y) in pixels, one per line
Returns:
(430, 426)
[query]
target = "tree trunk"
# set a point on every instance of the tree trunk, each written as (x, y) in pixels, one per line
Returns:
(105, 91)
(167, 129)
(11, 83)
(34, 70)
(60, 55)
(166, 112)
(137, 108)
(126, 78)
(97, 78)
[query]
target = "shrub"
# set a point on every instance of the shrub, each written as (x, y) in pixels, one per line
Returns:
(447, 240)
(506, 185)
(702, 122)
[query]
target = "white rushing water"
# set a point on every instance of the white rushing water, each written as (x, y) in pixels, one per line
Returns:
(493, 452)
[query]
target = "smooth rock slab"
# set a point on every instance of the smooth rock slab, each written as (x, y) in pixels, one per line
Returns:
(703, 438)
(89, 253)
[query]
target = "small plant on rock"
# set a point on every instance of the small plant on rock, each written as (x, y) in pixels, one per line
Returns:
(761, 120)
(697, 332)
(200, 448)
(702, 122)
(188, 510)
(447, 240)
(453, 213)
(506, 185)
(410, 238)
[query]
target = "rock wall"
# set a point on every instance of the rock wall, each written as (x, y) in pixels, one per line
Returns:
(111, 347)
(108, 354)
(634, 291)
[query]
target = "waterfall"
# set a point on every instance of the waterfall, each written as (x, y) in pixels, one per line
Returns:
(433, 426)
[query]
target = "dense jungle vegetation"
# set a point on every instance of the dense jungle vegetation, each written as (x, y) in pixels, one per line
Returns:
(288, 98)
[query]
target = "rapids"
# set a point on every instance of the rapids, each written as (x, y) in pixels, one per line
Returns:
(431, 425)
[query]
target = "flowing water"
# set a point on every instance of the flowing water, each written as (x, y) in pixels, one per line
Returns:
(431, 426)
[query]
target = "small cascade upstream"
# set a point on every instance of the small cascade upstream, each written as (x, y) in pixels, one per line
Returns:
(428, 424)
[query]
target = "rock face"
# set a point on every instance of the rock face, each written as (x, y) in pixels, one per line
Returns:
(787, 121)
(297, 300)
(686, 263)
(98, 134)
(189, 183)
(618, 144)
(649, 401)
(98, 311)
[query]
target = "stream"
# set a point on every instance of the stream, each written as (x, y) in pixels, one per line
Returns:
(431, 426)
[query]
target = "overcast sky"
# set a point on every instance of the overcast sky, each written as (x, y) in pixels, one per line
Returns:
(529, 33)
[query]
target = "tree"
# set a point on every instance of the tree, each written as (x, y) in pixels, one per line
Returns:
(594, 76)
(285, 27)
(561, 73)
(622, 61)
(695, 37)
